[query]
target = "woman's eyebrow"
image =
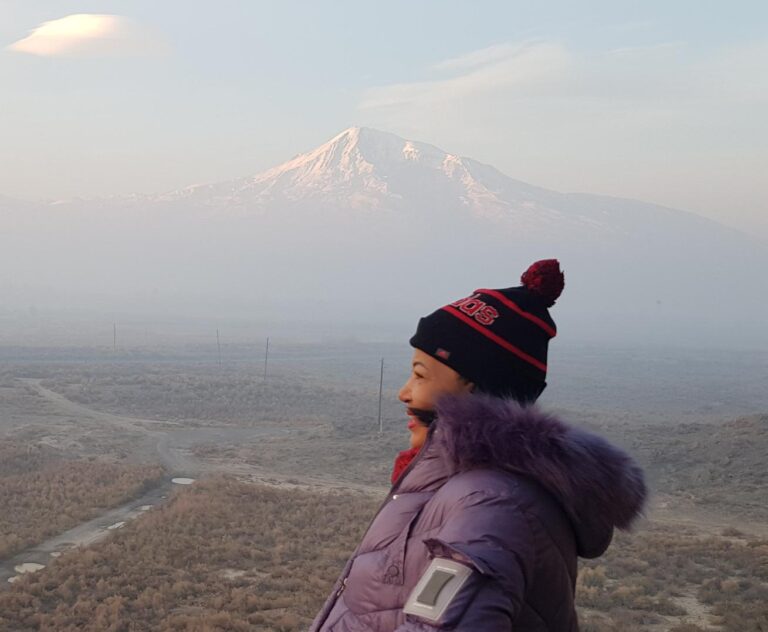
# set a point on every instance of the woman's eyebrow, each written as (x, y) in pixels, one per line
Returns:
(418, 363)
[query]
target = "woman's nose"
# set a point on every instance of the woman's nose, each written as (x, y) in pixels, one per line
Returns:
(404, 394)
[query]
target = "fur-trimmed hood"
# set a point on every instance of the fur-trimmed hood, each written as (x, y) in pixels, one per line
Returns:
(598, 485)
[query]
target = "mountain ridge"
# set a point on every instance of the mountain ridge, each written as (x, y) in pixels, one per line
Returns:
(365, 171)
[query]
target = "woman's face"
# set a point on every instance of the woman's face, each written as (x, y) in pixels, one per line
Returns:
(429, 380)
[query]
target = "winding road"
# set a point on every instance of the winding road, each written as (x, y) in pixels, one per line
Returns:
(172, 444)
(172, 448)
(85, 533)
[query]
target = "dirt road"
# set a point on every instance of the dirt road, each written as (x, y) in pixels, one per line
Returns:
(85, 533)
(171, 441)
(172, 449)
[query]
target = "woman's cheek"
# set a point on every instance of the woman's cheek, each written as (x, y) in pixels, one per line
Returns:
(422, 396)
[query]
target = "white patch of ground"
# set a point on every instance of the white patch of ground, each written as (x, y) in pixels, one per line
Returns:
(232, 573)
(145, 507)
(183, 481)
(55, 553)
(117, 525)
(28, 567)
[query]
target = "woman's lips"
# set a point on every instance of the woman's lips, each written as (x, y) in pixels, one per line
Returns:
(412, 423)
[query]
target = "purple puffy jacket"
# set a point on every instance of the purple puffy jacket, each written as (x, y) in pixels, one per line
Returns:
(507, 491)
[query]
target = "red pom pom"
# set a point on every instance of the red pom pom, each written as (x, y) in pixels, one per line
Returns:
(544, 279)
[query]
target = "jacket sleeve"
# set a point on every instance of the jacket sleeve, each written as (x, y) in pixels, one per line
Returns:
(491, 535)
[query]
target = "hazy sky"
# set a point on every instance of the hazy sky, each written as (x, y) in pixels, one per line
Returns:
(662, 101)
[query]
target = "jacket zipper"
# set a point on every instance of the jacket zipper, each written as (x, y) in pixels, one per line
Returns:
(396, 485)
(390, 495)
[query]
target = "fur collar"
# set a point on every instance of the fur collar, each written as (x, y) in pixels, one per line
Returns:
(599, 485)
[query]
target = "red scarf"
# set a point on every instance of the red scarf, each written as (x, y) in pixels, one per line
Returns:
(402, 461)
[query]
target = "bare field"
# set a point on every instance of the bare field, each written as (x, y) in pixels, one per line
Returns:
(223, 555)
(698, 564)
(44, 502)
(226, 555)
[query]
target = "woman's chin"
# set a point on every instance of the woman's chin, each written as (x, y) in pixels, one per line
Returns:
(417, 439)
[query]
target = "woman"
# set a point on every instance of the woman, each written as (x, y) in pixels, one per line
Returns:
(495, 500)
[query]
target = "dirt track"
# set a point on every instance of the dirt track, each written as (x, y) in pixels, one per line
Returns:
(173, 447)
(85, 533)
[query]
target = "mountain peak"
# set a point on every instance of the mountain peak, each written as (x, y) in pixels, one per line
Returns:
(376, 148)
(356, 167)
(363, 169)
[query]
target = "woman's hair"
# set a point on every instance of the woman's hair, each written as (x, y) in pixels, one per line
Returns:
(523, 389)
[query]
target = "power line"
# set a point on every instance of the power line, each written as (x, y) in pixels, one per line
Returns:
(381, 386)
(266, 359)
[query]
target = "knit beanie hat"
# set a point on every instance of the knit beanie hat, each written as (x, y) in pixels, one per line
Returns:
(498, 339)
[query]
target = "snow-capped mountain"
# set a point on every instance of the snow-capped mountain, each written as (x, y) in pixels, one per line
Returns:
(365, 172)
(411, 223)
(359, 169)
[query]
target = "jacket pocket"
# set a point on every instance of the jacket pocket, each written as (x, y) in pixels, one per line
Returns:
(376, 580)
(390, 568)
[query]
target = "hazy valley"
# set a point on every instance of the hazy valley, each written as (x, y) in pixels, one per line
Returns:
(291, 468)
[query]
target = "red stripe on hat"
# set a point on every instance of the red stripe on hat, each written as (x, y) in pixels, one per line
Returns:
(514, 307)
(498, 340)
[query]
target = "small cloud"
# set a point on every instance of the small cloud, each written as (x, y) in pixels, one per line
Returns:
(90, 35)
(480, 57)
(521, 68)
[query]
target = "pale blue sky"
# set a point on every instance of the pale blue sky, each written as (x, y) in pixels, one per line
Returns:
(662, 101)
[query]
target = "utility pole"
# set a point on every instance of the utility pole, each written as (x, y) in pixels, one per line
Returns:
(266, 359)
(218, 345)
(114, 337)
(381, 385)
